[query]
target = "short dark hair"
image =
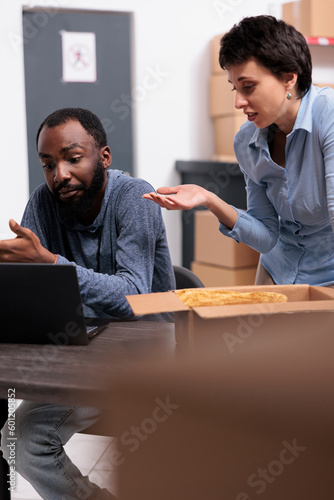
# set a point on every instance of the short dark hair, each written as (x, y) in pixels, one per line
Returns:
(275, 44)
(90, 122)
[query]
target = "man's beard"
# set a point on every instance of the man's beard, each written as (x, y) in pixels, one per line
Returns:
(73, 210)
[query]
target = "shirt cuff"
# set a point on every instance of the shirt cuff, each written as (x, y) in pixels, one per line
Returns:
(242, 228)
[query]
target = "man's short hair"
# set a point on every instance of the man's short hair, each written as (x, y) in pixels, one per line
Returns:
(90, 122)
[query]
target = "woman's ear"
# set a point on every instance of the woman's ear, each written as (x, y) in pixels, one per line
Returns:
(290, 80)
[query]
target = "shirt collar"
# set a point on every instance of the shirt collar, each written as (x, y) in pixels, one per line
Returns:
(304, 115)
(303, 120)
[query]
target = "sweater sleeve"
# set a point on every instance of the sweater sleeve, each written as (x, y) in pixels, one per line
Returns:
(135, 230)
(140, 237)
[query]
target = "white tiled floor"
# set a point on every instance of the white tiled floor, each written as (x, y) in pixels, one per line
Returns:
(91, 454)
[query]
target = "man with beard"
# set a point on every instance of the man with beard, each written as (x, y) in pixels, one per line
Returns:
(97, 220)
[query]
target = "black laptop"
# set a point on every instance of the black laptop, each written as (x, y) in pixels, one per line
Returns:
(41, 304)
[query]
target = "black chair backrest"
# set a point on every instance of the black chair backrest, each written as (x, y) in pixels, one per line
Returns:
(186, 279)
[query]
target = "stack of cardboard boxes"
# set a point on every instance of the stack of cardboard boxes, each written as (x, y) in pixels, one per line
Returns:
(226, 118)
(219, 260)
(314, 20)
(311, 17)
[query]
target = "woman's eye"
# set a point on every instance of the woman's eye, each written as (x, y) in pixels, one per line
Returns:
(49, 166)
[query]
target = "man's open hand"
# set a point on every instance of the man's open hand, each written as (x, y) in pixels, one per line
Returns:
(26, 247)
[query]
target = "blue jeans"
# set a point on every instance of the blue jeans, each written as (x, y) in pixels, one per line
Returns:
(41, 432)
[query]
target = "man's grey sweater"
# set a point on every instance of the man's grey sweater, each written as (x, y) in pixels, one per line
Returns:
(124, 251)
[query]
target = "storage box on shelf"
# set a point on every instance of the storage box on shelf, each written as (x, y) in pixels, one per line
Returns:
(224, 179)
(311, 17)
(224, 158)
(212, 247)
(212, 275)
(225, 128)
(215, 45)
(227, 119)
(221, 96)
(331, 85)
(219, 260)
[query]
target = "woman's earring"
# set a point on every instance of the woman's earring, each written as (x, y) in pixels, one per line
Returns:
(288, 96)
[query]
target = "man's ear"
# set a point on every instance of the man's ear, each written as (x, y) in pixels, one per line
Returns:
(105, 156)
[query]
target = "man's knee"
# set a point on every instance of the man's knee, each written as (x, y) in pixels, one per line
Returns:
(26, 440)
(9, 445)
(3, 440)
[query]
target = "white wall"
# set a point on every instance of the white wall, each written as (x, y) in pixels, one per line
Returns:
(172, 120)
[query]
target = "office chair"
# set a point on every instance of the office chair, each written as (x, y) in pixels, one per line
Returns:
(186, 279)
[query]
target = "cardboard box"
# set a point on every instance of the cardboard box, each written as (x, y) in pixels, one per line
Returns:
(307, 308)
(212, 247)
(212, 276)
(256, 425)
(215, 46)
(225, 128)
(222, 99)
(224, 158)
(331, 85)
(310, 17)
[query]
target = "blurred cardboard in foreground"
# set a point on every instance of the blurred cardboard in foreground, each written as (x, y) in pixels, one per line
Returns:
(256, 424)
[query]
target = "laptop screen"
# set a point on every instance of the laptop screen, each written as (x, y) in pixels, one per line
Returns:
(41, 304)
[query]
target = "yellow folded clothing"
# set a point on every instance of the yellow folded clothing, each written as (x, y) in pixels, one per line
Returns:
(195, 297)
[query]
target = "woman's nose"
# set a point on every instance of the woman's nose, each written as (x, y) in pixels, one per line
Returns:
(240, 101)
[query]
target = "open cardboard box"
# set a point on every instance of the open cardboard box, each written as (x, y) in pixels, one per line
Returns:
(309, 308)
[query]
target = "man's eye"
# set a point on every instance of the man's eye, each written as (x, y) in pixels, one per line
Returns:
(48, 166)
(75, 159)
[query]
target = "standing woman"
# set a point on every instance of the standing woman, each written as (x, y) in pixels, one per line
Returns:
(285, 151)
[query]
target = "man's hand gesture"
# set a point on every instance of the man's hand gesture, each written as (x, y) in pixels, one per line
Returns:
(26, 247)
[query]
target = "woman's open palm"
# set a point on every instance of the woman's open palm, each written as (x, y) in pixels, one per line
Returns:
(182, 197)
